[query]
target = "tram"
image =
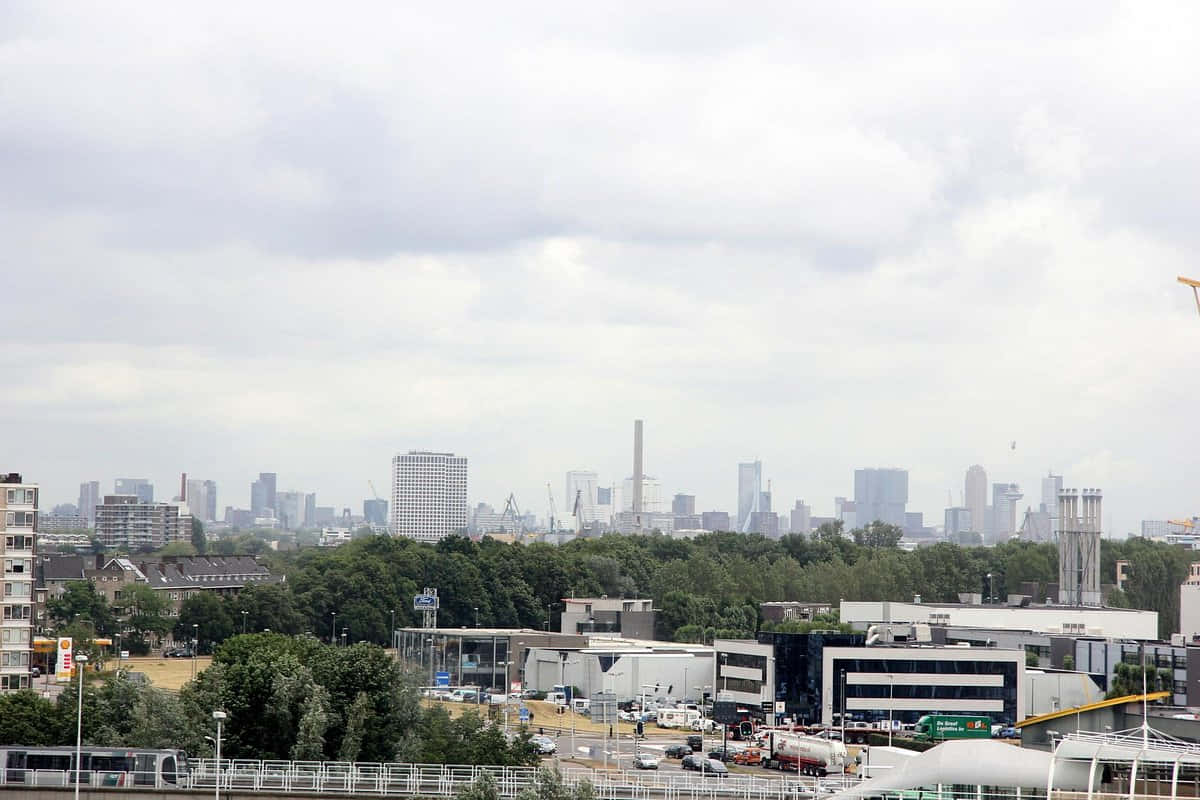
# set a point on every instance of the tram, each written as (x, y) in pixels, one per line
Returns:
(115, 766)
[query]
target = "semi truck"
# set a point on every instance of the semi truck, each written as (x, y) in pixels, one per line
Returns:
(807, 755)
(940, 727)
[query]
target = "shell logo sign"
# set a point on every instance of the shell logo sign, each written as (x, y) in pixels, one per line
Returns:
(66, 658)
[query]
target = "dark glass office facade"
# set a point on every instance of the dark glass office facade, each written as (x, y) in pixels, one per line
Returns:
(929, 695)
(798, 661)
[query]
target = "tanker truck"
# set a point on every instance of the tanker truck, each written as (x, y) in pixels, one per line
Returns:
(807, 755)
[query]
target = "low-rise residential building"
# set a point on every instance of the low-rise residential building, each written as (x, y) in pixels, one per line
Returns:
(57, 523)
(174, 578)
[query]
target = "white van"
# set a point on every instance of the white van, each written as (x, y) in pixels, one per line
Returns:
(677, 717)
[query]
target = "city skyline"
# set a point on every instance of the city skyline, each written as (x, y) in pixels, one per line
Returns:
(823, 238)
(665, 490)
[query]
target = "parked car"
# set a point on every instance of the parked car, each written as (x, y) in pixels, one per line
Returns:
(677, 750)
(695, 742)
(692, 762)
(723, 756)
(179, 652)
(715, 767)
(544, 744)
(645, 761)
(1009, 733)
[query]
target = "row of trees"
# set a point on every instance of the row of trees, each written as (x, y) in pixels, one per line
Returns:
(704, 587)
(712, 583)
(287, 698)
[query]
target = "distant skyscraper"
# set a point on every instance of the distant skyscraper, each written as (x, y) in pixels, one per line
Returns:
(89, 498)
(844, 510)
(801, 518)
(880, 494)
(958, 520)
(683, 505)
(262, 495)
(375, 512)
(290, 508)
(749, 493)
(202, 499)
(140, 488)
(604, 495)
(975, 491)
(715, 521)
(1004, 510)
(653, 501)
(1051, 486)
(429, 495)
(764, 522)
(310, 509)
(582, 483)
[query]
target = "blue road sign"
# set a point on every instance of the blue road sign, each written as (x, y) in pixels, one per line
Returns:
(441, 679)
(524, 714)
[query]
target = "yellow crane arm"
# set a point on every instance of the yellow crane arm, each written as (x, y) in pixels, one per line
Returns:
(1195, 288)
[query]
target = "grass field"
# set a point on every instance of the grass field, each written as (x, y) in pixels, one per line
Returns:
(165, 673)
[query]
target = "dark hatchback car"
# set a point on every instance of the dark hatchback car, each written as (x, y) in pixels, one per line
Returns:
(677, 750)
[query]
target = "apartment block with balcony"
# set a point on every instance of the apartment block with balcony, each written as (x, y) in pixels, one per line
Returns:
(18, 526)
(124, 522)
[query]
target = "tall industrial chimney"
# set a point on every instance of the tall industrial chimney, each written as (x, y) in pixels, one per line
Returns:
(637, 469)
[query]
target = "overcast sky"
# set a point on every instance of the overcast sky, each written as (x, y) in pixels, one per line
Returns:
(244, 237)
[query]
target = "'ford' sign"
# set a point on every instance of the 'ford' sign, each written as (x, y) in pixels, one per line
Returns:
(425, 602)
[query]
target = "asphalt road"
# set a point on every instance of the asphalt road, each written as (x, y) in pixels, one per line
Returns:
(592, 748)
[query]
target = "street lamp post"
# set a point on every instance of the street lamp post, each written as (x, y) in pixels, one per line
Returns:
(333, 630)
(344, 636)
(988, 599)
(244, 615)
(476, 616)
(195, 646)
(219, 716)
(118, 638)
(393, 632)
(81, 665)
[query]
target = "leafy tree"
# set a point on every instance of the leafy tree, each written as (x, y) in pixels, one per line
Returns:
(198, 539)
(211, 616)
(80, 601)
(878, 534)
(146, 615)
(268, 606)
(1128, 680)
(27, 718)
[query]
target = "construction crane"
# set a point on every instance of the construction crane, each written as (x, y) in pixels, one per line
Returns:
(511, 508)
(373, 490)
(553, 514)
(1183, 523)
(1195, 289)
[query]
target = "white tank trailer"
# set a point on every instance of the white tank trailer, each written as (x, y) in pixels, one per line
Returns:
(808, 755)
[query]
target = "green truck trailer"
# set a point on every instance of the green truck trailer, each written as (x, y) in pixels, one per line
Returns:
(939, 728)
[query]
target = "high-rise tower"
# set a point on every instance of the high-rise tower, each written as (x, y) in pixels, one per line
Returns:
(975, 490)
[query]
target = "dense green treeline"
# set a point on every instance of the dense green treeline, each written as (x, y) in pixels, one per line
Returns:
(712, 583)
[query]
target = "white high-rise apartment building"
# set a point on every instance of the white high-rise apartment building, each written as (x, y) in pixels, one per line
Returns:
(429, 495)
(18, 521)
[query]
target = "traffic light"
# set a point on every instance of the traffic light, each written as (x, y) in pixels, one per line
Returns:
(745, 729)
(639, 728)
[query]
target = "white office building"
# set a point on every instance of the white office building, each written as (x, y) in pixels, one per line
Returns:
(429, 495)
(18, 522)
